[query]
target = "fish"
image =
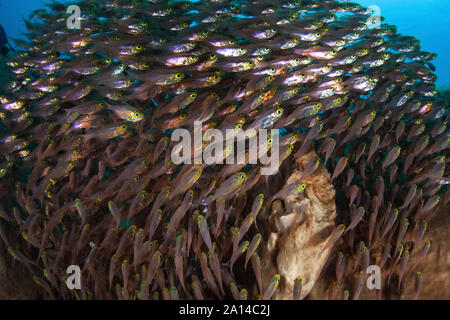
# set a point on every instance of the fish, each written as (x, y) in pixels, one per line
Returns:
(204, 231)
(256, 265)
(153, 266)
(216, 268)
(272, 287)
(409, 197)
(179, 214)
(391, 156)
(402, 230)
(208, 275)
(335, 235)
(404, 262)
(297, 291)
(256, 207)
(245, 225)
(340, 166)
(422, 254)
(346, 295)
(358, 285)
(256, 240)
(234, 291)
(340, 267)
(417, 285)
(240, 250)
(390, 222)
(229, 186)
(373, 146)
(357, 216)
(198, 293)
(420, 231)
(290, 189)
(310, 168)
(430, 204)
(327, 147)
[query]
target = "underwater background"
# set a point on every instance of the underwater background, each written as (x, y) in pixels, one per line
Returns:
(426, 20)
(85, 169)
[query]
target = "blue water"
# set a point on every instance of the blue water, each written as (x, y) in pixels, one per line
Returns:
(427, 20)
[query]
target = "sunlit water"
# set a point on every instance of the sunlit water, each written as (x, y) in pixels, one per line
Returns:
(427, 20)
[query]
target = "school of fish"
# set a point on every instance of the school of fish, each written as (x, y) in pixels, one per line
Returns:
(86, 175)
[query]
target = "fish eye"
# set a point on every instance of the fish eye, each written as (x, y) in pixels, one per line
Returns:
(316, 34)
(182, 116)
(231, 42)
(193, 95)
(279, 111)
(339, 80)
(98, 67)
(273, 30)
(145, 65)
(179, 75)
(108, 60)
(138, 47)
(338, 100)
(242, 176)
(216, 77)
